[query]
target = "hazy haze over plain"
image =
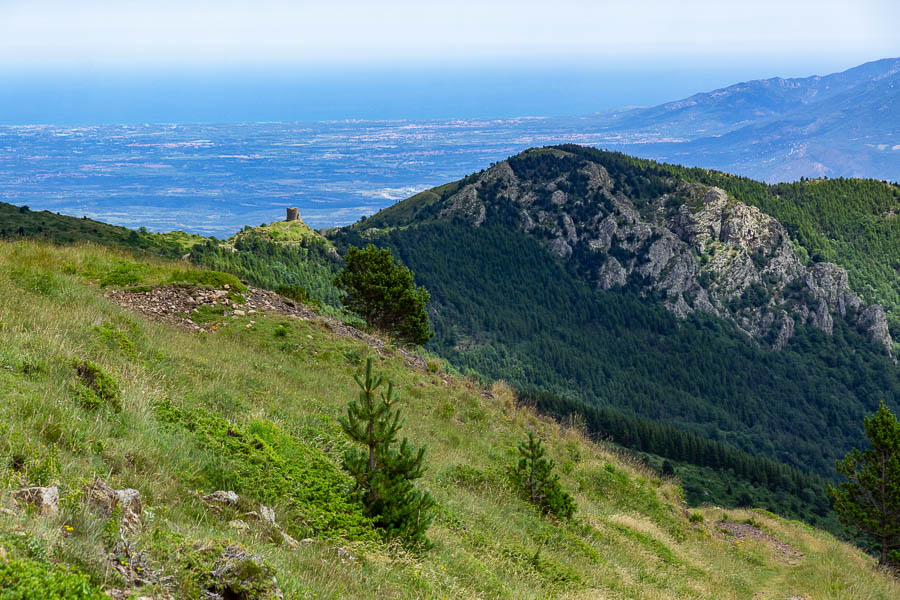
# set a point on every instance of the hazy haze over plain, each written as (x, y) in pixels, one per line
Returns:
(93, 32)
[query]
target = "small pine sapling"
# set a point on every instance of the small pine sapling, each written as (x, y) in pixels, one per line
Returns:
(534, 476)
(384, 471)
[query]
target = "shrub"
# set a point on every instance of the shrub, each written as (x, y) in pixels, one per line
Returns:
(94, 388)
(30, 580)
(125, 273)
(117, 339)
(271, 466)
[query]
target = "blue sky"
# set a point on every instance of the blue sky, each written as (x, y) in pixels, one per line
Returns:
(55, 34)
(127, 61)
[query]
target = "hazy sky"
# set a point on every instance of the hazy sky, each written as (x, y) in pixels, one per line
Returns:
(66, 33)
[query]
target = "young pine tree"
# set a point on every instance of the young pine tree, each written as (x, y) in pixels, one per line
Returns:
(383, 471)
(869, 502)
(535, 478)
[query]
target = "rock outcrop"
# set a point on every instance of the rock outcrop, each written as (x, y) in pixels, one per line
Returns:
(692, 246)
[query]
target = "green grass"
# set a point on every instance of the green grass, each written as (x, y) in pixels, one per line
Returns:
(254, 408)
(283, 232)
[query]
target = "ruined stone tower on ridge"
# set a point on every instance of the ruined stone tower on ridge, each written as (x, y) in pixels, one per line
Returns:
(293, 214)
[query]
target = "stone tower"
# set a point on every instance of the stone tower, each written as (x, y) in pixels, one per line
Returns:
(293, 214)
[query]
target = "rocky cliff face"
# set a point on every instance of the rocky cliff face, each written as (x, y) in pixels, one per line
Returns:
(692, 246)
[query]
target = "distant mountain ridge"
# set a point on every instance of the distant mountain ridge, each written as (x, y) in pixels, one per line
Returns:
(845, 124)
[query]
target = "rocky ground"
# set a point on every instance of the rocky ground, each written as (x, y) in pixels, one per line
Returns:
(181, 305)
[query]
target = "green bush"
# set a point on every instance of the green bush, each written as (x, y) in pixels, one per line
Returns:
(125, 273)
(270, 466)
(117, 339)
(30, 580)
(94, 388)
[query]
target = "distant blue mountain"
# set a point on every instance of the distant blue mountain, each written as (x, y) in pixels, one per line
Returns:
(844, 124)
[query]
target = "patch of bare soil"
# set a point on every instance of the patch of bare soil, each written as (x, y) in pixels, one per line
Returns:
(176, 304)
(786, 553)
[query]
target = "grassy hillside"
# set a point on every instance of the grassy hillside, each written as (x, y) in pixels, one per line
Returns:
(286, 232)
(250, 406)
(286, 256)
(20, 221)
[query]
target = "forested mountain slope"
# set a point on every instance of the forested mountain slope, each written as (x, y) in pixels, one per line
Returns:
(640, 286)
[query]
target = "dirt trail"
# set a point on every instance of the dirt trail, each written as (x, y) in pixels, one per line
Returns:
(785, 553)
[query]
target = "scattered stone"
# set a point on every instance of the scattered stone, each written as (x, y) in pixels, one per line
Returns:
(239, 313)
(101, 496)
(239, 574)
(117, 594)
(225, 498)
(45, 499)
(135, 566)
(288, 540)
(239, 525)
(267, 514)
(345, 555)
(307, 541)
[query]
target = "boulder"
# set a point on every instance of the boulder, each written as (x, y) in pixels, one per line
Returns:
(222, 497)
(267, 514)
(106, 500)
(239, 574)
(45, 499)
